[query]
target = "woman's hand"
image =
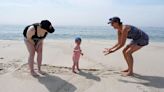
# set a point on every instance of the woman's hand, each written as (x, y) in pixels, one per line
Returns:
(39, 43)
(107, 51)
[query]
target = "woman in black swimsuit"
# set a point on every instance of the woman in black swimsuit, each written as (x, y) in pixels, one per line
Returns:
(34, 35)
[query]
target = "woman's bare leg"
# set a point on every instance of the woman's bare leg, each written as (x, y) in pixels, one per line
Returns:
(39, 57)
(124, 53)
(129, 57)
(31, 50)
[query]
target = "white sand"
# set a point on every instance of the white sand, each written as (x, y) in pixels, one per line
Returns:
(99, 73)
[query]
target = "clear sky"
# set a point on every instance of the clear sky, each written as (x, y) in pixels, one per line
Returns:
(83, 12)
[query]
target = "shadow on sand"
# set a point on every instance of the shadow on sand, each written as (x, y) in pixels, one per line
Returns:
(56, 84)
(89, 76)
(150, 81)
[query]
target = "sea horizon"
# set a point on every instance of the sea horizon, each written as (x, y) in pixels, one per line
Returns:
(14, 32)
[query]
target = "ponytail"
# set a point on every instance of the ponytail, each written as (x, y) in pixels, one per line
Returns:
(120, 23)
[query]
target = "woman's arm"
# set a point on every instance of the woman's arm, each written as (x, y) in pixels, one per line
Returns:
(122, 39)
(110, 50)
(30, 33)
(117, 44)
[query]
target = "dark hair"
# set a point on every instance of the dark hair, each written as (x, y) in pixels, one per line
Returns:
(45, 24)
(77, 39)
(115, 19)
(120, 23)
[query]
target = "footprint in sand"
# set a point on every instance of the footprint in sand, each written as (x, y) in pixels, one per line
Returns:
(140, 87)
(1, 57)
(5, 46)
(86, 78)
(8, 67)
(46, 68)
(88, 74)
(1, 67)
(54, 69)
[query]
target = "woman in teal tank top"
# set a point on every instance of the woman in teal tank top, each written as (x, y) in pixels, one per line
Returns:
(138, 38)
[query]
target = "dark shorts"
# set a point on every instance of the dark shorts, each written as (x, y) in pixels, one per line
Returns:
(143, 41)
(140, 42)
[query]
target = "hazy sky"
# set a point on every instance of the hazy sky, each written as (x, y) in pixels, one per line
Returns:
(83, 12)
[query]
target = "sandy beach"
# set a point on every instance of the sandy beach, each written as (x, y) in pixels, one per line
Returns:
(99, 73)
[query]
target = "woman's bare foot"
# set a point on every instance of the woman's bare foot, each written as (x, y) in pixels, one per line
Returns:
(78, 69)
(41, 72)
(33, 73)
(74, 72)
(125, 70)
(127, 73)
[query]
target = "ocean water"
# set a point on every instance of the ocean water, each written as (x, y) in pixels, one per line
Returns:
(14, 32)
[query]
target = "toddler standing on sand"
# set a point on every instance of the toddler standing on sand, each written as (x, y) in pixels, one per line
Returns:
(76, 54)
